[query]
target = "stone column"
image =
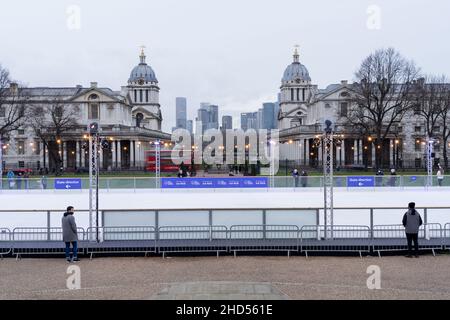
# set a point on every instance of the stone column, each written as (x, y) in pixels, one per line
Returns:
(373, 154)
(132, 154)
(119, 155)
(356, 152)
(360, 151)
(77, 154)
(307, 152)
(113, 152)
(342, 153)
(64, 154)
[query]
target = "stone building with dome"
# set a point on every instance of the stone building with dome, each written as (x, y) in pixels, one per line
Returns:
(130, 119)
(304, 108)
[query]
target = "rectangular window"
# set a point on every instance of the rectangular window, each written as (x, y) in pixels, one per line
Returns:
(303, 94)
(21, 147)
(37, 147)
(21, 164)
(436, 129)
(93, 111)
(135, 95)
(292, 94)
(418, 162)
(20, 131)
(417, 109)
(146, 95)
(417, 129)
(140, 96)
(344, 109)
(2, 112)
(298, 94)
(418, 146)
(399, 129)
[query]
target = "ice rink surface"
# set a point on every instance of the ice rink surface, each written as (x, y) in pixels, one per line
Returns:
(351, 206)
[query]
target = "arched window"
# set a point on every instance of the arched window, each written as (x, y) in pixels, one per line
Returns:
(94, 107)
(139, 118)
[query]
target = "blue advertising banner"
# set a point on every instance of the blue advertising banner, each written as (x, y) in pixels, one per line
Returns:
(179, 183)
(67, 184)
(353, 182)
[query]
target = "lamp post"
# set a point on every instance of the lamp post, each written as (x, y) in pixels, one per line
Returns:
(430, 157)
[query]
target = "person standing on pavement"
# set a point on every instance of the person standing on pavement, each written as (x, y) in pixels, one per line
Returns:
(70, 235)
(412, 222)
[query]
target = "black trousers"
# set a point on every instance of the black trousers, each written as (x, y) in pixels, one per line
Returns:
(410, 237)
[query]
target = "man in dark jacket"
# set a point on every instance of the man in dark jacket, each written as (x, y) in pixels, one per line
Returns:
(412, 221)
(70, 235)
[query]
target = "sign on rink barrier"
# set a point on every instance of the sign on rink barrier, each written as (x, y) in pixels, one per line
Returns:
(194, 183)
(67, 184)
(358, 182)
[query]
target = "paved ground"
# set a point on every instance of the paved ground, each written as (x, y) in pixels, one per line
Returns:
(228, 278)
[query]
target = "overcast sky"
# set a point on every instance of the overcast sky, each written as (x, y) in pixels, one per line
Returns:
(231, 53)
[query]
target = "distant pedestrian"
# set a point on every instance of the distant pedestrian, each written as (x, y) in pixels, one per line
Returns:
(412, 221)
(393, 178)
(304, 179)
(379, 178)
(440, 176)
(44, 182)
(19, 181)
(10, 176)
(70, 234)
(26, 179)
(295, 175)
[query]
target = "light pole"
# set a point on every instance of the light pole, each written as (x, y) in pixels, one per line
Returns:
(430, 157)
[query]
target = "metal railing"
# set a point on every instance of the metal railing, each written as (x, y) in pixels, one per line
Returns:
(216, 238)
(42, 234)
(126, 239)
(5, 241)
(300, 183)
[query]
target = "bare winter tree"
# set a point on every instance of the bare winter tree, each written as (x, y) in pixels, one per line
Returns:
(50, 121)
(428, 95)
(12, 108)
(444, 115)
(381, 96)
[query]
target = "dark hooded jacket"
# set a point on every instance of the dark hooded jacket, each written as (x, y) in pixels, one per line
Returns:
(412, 221)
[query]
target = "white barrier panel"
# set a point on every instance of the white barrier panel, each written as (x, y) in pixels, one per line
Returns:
(229, 218)
(129, 218)
(81, 219)
(183, 218)
(298, 218)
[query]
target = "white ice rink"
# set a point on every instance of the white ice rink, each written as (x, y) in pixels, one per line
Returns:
(349, 204)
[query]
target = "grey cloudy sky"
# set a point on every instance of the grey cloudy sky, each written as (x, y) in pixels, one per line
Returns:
(231, 53)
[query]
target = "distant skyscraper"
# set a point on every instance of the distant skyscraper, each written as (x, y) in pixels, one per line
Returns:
(181, 113)
(189, 126)
(268, 116)
(209, 116)
(227, 122)
(244, 118)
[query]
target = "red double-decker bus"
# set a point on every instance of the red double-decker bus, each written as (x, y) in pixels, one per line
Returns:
(166, 163)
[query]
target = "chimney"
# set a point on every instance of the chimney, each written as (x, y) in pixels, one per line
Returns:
(93, 84)
(344, 82)
(14, 88)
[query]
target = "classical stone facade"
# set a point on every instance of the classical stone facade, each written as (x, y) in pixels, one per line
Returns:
(129, 119)
(304, 108)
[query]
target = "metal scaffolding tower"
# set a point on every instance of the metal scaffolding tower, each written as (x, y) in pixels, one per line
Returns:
(158, 163)
(93, 179)
(430, 157)
(328, 179)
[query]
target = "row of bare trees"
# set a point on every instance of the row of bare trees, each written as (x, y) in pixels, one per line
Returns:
(388, 87)
(49, 119)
